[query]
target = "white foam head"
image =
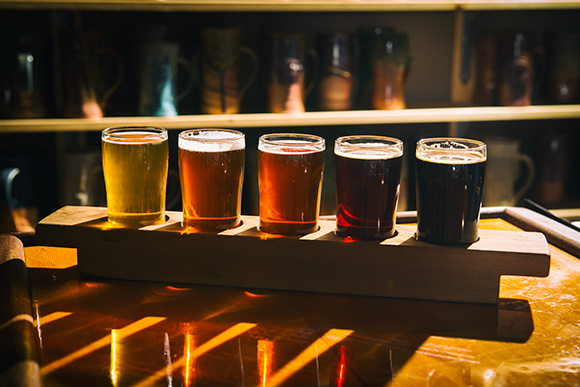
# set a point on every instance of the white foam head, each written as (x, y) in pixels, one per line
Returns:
(211, 140)
(451, 151)
(368, 151)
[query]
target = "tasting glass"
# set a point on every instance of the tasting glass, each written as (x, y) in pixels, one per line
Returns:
(135, 166)
(367, 184)
(290, 168)
(211, 168)
(449, 178)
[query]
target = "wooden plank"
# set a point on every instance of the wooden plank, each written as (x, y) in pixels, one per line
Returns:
(294, 5)
(321, 262)
(260, 120)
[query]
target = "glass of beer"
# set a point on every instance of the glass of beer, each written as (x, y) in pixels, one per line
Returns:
(135, 163)
(367, 182)
(450, 175)
(290, 168)
(211, 168)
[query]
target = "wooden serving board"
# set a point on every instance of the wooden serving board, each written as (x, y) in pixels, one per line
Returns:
(319, 262)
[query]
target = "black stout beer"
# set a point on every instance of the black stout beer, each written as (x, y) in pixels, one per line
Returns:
(367, 178)
(450, 175)
(211, 168)
(290, 168)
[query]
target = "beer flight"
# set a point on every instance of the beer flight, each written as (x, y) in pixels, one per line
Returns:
(450, 175)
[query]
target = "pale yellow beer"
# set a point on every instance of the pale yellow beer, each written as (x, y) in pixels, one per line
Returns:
(211, 168)
(135, 163)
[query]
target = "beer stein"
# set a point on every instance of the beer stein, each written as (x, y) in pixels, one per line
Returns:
(516, 69)
(486, 78)
(81, 178)
(286, 83)
(83, 67)
(221, 53)
(290, 168)
(390, 65)
(158, 82)
(564, 74)
(335, 86)
(367, 180)
(135, 166)
(211, 166)
(26, 80)
(449, 180)
(17, 211)
(506, 166)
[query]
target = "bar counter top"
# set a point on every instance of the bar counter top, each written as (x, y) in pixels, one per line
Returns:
(132, 333)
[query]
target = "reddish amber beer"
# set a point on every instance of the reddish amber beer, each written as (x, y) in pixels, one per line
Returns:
(211, 168)
(135, 162)
(290, 168)
(367, 178)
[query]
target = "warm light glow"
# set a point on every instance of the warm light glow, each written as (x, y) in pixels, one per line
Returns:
(349, 239)
(330, 338)
(189, 366)
(113, 366)
(50, 318)
(340, 378)
(176, 288)
(130, 329)
(265, 360)
(223, 337)
(254, 295)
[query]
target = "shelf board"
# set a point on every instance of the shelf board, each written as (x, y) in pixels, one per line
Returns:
(290, 5)
(354, 117)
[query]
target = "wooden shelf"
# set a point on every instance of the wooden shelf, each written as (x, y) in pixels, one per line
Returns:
(358, 117)
(291, 5)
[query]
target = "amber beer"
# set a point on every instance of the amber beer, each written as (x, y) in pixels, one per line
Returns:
(450, 175)
(290, 168)
(211, 168)
(135, 163)
(367, 183)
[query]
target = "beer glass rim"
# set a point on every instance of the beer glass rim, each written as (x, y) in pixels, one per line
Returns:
(235, 135)
(277, 140)
(382, 142)
(471, 145)
(135, 132)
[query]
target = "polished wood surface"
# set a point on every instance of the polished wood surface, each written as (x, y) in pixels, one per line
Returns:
(293, 5)
(260, 120)
(320, 261)
(135, 333)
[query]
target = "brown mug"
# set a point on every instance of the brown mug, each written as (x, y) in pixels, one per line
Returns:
(335, 86)
(286, 85)
(221, 52)
(82, 56)
(391, 64)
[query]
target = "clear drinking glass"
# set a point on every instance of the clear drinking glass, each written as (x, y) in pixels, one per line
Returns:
(211, 168)
(290, 168)
(135, 165)
(450, 176)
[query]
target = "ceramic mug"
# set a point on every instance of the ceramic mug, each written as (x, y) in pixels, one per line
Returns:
(335, 86)
(506, 167)
(287, 87)
(221, 53)
(83, 56)
(390, 66)
(158, 82)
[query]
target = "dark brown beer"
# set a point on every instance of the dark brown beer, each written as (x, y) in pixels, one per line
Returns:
(449, 193)
(211, 172)
(367, 178)
(290, 180)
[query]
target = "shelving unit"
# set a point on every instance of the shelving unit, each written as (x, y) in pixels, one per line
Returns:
(441, 42)
(360, 117)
